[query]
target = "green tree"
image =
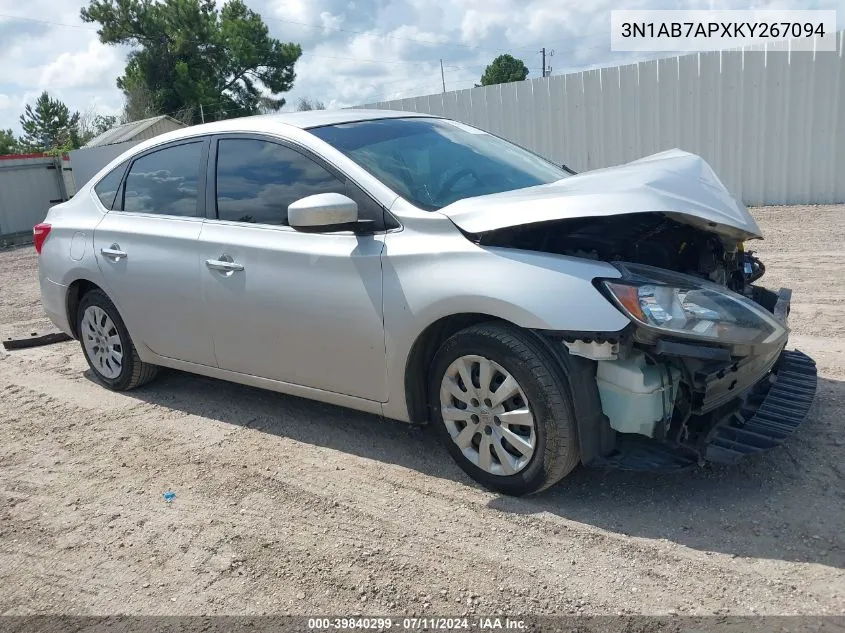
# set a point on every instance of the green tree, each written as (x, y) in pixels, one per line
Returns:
(139, 101)
(92, 124)
(103, 123)
(187, 53)
(305, 104)
(49, 126)
(504, 69)
(8, 143)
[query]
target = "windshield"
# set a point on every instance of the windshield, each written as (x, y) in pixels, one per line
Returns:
(435, 162)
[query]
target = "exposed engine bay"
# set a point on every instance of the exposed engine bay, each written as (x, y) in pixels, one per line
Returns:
(668, 402)
(645, 238)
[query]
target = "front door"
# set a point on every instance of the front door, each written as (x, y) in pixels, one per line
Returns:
(302, 308)
(148, 253)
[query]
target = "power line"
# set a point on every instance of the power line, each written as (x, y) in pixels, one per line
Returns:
(383, 61)
(421, 41)
(387, 97)
(308, 54)
(72, 26)
(411, 78)
(450, 68)
(384, 35)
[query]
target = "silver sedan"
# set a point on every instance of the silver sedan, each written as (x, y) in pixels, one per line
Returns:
(427, 271)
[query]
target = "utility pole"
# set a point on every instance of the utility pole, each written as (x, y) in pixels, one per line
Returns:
(202, 114)
(442, 77)
(547, 70)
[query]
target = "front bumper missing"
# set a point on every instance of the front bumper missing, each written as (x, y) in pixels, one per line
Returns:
(769, 413)
(739, 401)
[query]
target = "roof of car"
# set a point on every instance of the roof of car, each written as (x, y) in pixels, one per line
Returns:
(271, 122)
(316, 118)
(302, 120)
(268, 123)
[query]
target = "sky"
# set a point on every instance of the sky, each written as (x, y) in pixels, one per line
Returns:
(354, 51)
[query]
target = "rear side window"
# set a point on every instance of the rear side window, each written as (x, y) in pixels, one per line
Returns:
(257, 180)
(165, 182)
(106, 189)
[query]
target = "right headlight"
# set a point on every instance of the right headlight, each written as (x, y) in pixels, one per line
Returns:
(689, 307)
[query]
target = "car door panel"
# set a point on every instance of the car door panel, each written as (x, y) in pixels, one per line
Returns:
(302, 308)
(155, 285)
(305, 309)
(147, 250)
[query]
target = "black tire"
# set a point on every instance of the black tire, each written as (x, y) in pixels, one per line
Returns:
(544, 383)
(134, 372)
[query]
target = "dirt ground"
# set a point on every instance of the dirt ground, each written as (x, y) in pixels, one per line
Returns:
(288, 506)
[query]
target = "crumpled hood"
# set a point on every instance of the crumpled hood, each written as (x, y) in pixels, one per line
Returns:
(674, 182)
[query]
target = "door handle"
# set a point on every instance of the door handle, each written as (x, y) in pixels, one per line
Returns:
(114, 252)
(223, 265)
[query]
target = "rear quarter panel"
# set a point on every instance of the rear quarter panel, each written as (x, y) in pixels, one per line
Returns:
(68, 253)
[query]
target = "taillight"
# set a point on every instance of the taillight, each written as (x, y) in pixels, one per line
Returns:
(39, 234)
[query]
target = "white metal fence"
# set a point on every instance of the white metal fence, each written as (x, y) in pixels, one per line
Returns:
(771, 123)
(29, 186)
(87, 161)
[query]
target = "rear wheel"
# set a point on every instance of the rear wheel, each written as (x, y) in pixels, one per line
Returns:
(504, 409)
(107, 346)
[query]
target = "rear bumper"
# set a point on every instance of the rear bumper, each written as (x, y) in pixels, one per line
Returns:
(54, 302)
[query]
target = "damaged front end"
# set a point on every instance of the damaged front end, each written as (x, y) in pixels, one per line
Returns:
(701, 373)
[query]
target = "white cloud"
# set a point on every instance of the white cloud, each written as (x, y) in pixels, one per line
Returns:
(68, 61)
(83, 69)
(355, 51)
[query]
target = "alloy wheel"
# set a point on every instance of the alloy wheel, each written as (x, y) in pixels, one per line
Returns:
(102, 342)
(487, 415)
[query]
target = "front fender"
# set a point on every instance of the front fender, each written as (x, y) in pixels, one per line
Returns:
(427, 279)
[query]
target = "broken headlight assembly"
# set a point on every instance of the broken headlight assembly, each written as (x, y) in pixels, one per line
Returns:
(683, 306)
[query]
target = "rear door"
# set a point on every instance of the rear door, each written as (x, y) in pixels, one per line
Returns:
(146, 247)
(302, 308)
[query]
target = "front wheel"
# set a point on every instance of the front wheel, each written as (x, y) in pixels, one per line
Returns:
(504, 409)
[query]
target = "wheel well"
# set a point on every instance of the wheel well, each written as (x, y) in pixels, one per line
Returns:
(421, 355)
(595, 437)
(75, 292)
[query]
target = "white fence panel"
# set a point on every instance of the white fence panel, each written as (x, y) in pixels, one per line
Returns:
(770, 122)
(29, 186)
(87, 161)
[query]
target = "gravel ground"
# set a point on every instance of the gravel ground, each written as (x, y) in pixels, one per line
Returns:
(289, 506)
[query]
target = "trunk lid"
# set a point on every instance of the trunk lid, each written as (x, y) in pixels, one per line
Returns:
(674, 182)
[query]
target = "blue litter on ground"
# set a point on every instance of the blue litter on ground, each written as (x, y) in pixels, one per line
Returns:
(169, 496)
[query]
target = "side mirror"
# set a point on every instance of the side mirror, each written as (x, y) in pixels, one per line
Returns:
(323, 212)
